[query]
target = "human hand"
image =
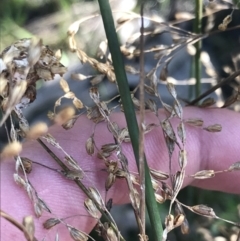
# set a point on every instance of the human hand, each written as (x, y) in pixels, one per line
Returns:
(216, 151)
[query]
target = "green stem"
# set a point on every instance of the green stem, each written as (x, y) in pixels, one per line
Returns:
(130, 115)
(198, 46)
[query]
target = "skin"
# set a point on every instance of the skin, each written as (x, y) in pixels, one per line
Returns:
(206, 150)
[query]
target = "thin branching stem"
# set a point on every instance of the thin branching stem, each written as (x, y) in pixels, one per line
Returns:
(142, 121)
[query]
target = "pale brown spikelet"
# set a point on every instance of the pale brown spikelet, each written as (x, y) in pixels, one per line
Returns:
(29, 227)
(203, 210)
(27, 164)
(213, 128)
(89, 145)
(235, 166)
(204, 174)
(194, 122)
(12, 149)
(64, 115)
(159, 175)
(76, 234)
(91, 208)
(37, 130)
(51, 222)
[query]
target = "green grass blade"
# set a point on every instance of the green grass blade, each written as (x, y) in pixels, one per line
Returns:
(130, 116)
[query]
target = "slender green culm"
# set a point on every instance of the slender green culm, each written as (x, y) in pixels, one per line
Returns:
(130, 115)
(198, 46)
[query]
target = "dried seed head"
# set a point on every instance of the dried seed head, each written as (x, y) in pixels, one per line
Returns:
(207, 102)
(234, 167)
(172, 90)
(168, 129)
(28, 223)
(178, 109)
(111, 178)
(185, 226)
(204, 174)
(64, 85)
(111, 234)
(213, 128)
(94, 114)
(182, 159)
(204, 211)
(73, 174)
(178, 220)
(159, 198)
(135, 198)
(76, 234)
(37, 130)
(72, 163)
(12, 149)
(43, 205)
(159, 175)
(94, 94)
(194, 122)
(97, 197)
(90, 146)
(164, 73)
(77, 103)
(64, 115)
(133, 178)
(97, 79)
(181, 132)
(51, 222)
(27, 164)
(91, 208)
(111, 147)
(169, 222)
(70, 123)
(37, 209)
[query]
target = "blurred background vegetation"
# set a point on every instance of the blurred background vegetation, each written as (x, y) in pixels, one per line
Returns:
(50, 19)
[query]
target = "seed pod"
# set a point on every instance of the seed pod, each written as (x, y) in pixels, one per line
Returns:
(77, 103)
(27, 164)
(182, 159)
(185, 226)
(76, 234)
(204, 211)
(172, 90)
(159, 175)
(194, 122)
(91, 208)
(164, 73)
(73, 174)
(178, 220)
(90, 146)
(51, 222)
(159, 198)
(28, 223)
(204, 174)
(234, 167)
(97, 197)
(178, 109)
(94, 94)
(181, 132)
(213, 128)
(168, 129)
(64, 85)
(111, 178)
(207, 102)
